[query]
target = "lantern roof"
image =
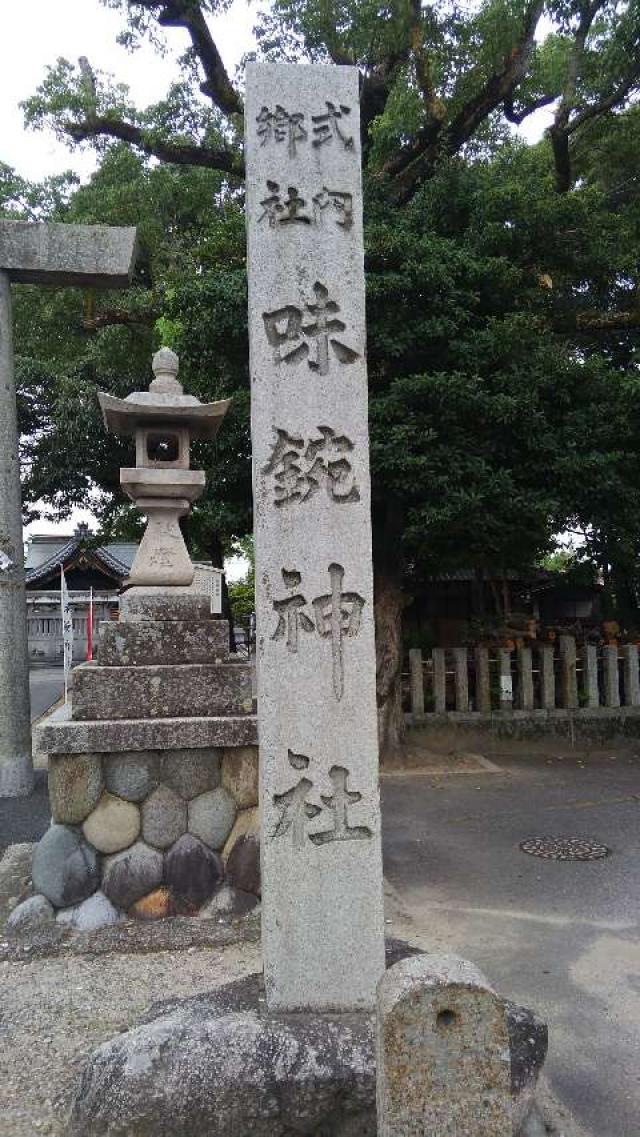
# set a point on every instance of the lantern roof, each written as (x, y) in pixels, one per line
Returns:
(164, 403)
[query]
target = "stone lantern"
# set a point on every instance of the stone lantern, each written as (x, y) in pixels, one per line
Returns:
(162, 486)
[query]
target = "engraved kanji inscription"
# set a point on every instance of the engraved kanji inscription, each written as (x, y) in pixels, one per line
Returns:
(300, 467)
(280, 126)
(328, 126)
(293, 339)
(337, 616)
(282, 210)
(291, 617)
(296, 811)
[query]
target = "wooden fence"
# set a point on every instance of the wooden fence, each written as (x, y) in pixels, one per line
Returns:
(541, 677)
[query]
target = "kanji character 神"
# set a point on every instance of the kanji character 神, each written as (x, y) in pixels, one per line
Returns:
(337, 615)
(291, 618)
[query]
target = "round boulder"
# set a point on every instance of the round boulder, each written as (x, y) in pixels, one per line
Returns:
(96, 912)
(156, 906)
(243, 865)
(129, 875)
(193, 872)
(113, 825)
(30, 915)
(65, 868)
(132, 775)
(228, 903)
(192, 772)
(240, 775)
(211, 817)
(164, 817)
(75, 784)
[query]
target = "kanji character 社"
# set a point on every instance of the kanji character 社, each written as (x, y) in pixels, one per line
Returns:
(294, 808)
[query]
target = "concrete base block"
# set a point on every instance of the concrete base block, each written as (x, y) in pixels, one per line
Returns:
(162, 642)
(161, 692)
(155, 603)
(59, 734)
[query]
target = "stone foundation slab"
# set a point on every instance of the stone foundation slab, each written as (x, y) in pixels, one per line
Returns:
(59, 734)
(161, 692)
(162, 642)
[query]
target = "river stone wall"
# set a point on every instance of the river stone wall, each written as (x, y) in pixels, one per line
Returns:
(149, 834)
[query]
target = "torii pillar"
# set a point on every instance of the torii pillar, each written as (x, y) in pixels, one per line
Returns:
(90, 256)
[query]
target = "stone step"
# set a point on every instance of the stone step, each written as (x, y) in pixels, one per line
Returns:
(121, 644)
(175, 691)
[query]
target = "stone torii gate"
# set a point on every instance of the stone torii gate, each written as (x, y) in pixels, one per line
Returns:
(91, 256)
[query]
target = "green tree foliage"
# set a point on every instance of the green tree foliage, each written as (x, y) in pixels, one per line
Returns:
(502, 279)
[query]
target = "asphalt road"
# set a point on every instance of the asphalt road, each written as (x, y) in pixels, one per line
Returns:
(46, 685)
(562, 937)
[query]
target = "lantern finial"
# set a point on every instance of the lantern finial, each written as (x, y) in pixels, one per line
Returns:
(165, 366)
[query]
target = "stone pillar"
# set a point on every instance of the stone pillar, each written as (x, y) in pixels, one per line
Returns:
(506, 679)
(568, 676)
(590, 671)
(631, 685)
(461, 678)
(439, 680)
(483, 680)
(416, 679)
(443, 1053)
(16, 768)
(547, 677)
(611, 676)
(322, 925)
(525, 678)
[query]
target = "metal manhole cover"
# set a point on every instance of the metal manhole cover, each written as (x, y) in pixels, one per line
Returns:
(565, 848)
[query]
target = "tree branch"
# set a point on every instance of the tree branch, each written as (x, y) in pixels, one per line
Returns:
(181, 154)
(437, 138)
(188, 14)
(111, 316)
(558, 132)
(518, 117)
(606, 104)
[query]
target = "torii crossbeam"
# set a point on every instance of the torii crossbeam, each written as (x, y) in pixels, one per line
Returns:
(97, 256)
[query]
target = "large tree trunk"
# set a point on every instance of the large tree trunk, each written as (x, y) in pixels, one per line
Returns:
(388, 604)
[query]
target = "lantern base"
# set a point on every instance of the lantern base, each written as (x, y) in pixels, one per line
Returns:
(162, 558)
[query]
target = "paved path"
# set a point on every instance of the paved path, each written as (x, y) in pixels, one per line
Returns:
(561, 937)
(46, 685)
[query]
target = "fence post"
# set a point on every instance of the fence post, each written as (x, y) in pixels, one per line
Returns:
(590, 666)
(611, 677)
(631, 684)
(483, 682)
(461, 667)
(525, 679)
(416, 681)
(506, 681)
(547, 677)
(568, 676)
(439, 681)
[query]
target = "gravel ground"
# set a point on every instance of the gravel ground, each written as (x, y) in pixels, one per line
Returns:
(55, 1012)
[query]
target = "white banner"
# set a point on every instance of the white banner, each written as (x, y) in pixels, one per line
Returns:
(67, 630)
